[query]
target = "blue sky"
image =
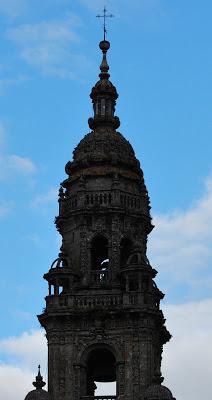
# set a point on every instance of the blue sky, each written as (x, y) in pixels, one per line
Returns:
(161, 62)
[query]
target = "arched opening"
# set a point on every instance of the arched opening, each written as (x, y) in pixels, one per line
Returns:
(101, 373)
(125, 249)
(99, 260)
(99, 253)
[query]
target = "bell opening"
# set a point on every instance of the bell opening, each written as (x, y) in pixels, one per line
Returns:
(101, 373)
(99, 253)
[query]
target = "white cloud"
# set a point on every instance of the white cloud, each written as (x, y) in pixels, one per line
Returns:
(20, 379)
(21, 357)
(27, 350)
(187, 358)
(47, 46)
(180, 245)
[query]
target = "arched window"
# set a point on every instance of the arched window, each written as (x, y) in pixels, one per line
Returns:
(99, 253)
(125, 249)
(101, 372)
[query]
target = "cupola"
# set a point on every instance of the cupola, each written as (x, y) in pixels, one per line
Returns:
(104, 95)
(38, 393)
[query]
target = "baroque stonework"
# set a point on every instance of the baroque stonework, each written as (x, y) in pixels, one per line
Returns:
(102, 317)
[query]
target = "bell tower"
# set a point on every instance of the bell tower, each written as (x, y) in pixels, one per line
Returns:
(102, 317)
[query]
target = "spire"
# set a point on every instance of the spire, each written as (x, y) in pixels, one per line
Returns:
(39, 383)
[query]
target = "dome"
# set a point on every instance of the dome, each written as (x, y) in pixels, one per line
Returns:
(38, 394)
(158, 392)
(103, 146)
(104, 87)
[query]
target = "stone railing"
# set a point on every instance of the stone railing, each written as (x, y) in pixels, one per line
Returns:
(84, 301)
(101, 301)
(100, 198)
(104, 199)
(98, 301)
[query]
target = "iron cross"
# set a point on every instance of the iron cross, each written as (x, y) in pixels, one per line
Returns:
(105, 15)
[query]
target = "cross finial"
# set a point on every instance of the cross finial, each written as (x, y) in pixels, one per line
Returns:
(104, 16)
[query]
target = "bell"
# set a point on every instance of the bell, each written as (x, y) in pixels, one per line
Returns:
(104, 372)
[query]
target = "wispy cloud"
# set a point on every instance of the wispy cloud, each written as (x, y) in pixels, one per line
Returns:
(2, 136)
(13, 164)
(119, 5)
(96, 5)
(20, 314)
(5, 83)
(180, 245)
(51, 46)
(45, 198)
(21, 164)
(34, 238)
(5, 209)
(13, 8)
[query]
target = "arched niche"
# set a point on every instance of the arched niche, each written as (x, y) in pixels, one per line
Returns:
(125, 250)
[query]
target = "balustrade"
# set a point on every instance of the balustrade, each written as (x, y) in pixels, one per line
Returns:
(103, 199)
(83, 302)
(102, 301)
(95, 301)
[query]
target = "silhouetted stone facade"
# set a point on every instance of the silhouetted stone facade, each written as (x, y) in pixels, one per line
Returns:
(102, 317)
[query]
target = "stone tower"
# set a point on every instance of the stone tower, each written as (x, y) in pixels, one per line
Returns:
(102, 318)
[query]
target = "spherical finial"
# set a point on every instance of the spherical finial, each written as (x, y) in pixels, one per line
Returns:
(104, 45)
